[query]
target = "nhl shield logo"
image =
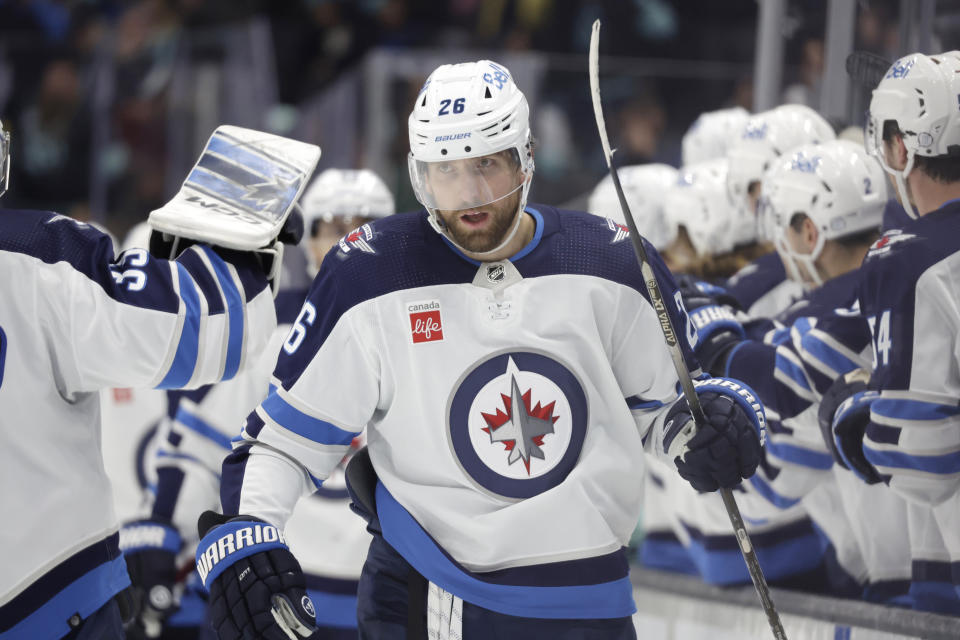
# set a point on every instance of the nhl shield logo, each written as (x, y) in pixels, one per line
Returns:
(495, 273)
(517, 422)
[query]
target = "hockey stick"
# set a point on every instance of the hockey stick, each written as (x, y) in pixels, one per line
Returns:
(656, 298)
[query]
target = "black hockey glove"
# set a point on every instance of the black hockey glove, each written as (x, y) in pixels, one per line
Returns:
(150, 549)
(728, 447)
(843, 415)
(257, 589)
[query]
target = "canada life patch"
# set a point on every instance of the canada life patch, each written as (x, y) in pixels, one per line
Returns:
(426, 323)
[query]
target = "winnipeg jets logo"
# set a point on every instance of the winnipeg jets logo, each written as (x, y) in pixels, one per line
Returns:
(357, 239)
(620, 231)
(517, 422)
(520, 429)
(886, 242)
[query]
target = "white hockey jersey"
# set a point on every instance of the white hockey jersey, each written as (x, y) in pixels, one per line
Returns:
(75, 321)
(434, 354)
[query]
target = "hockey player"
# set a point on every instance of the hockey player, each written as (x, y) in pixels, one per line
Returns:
(509, 370)
(327, 538)
(339, 202)
(712, 134)
(898, 421)
(79, 320)
(643, 185)
(762, 287)
(825, 203)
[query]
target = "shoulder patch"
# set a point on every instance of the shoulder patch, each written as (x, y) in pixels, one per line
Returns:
(357, 240)
(620, 231)
(886, 242)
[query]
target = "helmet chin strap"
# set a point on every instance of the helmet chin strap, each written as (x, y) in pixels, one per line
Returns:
(900, 178)
(440, 227)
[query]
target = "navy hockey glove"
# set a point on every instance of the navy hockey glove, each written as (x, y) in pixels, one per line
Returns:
(150, 549)
(257, 589)
(843, 415)
(728, 447)
(718, 331)
(698, 293)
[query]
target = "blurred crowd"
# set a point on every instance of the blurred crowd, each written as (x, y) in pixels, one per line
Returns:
(89, 88)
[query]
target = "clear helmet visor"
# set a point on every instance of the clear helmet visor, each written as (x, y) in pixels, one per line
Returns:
(466, 183)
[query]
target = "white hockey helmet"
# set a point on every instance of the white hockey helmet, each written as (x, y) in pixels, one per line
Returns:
(467, 111)
(712, 134)
(644, 186)
(697, 200)
(765, 137)
(836, 184)
(919, 93)
(4, 159)
(345, 193)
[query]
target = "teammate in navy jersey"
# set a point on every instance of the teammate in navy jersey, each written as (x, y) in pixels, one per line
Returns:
(329, 540)
(762, 287)
(510, 372)
(825, 204)
(76, 320)
(898, 421)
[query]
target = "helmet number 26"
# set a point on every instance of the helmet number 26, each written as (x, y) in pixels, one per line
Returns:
(458, 106)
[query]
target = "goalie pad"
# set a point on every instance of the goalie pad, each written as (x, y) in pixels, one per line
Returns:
(241, 190)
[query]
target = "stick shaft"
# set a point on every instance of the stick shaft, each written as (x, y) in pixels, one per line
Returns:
(676, 353)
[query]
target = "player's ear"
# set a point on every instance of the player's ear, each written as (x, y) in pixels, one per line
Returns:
(810, 234)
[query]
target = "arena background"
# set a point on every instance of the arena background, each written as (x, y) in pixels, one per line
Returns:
(110, 102)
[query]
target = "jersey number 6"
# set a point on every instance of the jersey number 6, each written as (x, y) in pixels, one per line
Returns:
(305, 319)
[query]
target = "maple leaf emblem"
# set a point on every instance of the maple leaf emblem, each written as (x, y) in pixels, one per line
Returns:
(519, 427)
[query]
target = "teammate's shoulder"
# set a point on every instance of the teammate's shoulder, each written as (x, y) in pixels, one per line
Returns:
(51, 237)
(580, 243)
(398, 252)
(379, 239)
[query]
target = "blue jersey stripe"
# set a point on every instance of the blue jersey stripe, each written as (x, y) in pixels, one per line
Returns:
(291, 418)
(906, 409)
(793, 371)
(763, 488)
(800, 455)
(334, 609)
(201, 427)
(945, 464)
(185, 360)
(604, 600)
(636, 403)
(234, 305)
(84, 595)
(827, 354)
